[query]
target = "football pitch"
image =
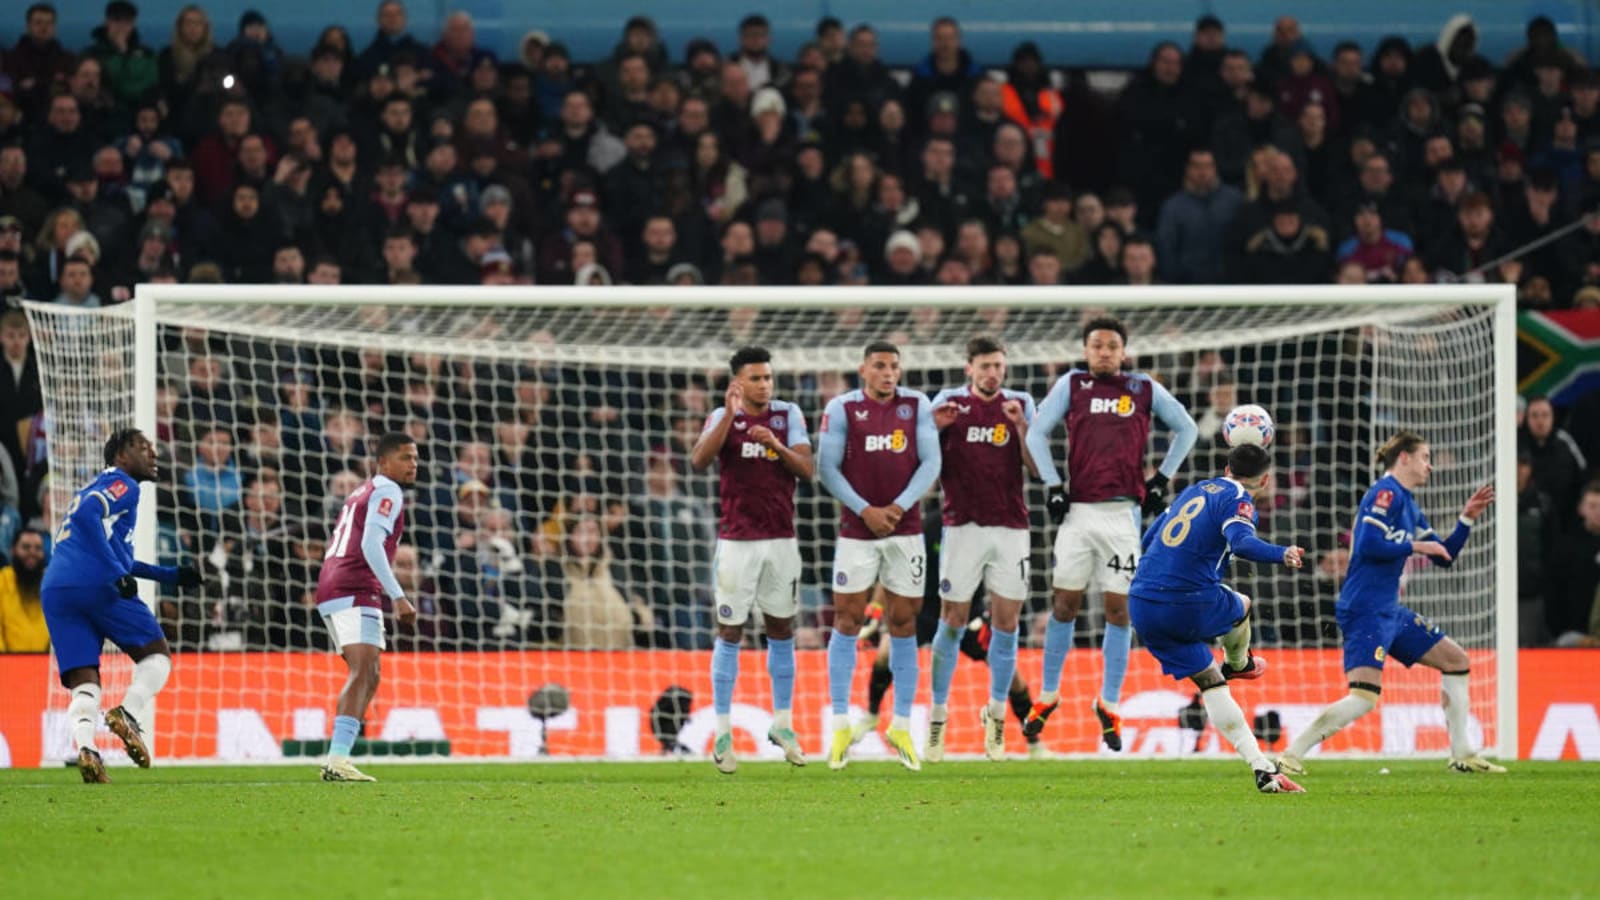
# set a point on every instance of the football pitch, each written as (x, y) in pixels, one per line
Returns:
(960, 829)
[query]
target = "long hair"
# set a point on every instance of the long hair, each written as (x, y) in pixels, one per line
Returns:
(186, 57)
(1401, 442)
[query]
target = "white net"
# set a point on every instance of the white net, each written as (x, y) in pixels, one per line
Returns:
(558, 539)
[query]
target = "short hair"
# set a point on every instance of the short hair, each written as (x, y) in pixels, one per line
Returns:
(1345, 47)
(880, 347)
(16, 539)
(41, 8)
(1475, 200)
(1401, 442)
(745, 356)
(1592, 487)
(982, 345)
(754, 20)
(392, 441)
(77, 260)
(13, 318)
(944, 20)
(827, 24)
(120, 440)
(1248, 461)
(1105, 323)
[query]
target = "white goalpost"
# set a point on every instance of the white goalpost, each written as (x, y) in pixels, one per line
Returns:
(559, 545)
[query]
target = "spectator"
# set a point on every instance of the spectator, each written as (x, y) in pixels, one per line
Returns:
(755, 40)
(1535, 543)
(213, 481)
(859, 75)
(948, 68)
(1056, 232)
(1380, 252)
(391, 39)
(1558, 464)
(597, 615)
(1575, 570)
(77, 284)
(22, 625)
(1105, 265)
(1138, 261)
(1437, 66)
(1473, 242)
(1288, 251)
(1157, 114)
(12, 289)
(38, 59)
(130, 66)
(179, 65)
(1194, 220)
(18, 200)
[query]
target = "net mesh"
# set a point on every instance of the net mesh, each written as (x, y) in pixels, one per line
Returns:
(558, 539)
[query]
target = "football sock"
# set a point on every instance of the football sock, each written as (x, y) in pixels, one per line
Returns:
(1456, 706)
(903, 666)
(780, 668)
(878, 686)
(149, 677)
(1057, 641)
(724, 672)
(841, 669)
(1236, 645)
(1114, 649)
(84, 714)
(345, 729)
(1002, 667)
(1340, 713)
(1229, 719)
(946, 648)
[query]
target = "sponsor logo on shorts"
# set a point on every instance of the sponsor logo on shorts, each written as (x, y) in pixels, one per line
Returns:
(944, 585)
(840, 579)
(1378, 654)
(725, 611)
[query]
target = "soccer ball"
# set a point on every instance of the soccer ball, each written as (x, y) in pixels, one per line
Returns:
(1248, 424)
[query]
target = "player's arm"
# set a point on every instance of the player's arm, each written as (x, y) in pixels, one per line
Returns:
(1243, 542)
(1049, 415)
(1475, 507)
(929, 458)
(1371, 536)
(383, 510)
(712, 437)
(1023, 423)
(1184, 431)
(795, 452)
(830, 455)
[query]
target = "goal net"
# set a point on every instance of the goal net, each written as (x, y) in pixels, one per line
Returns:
(558, 544)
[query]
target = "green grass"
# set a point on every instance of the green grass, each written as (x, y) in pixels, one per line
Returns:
(1071, 828)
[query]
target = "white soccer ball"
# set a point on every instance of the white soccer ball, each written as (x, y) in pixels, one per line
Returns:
(1248, 424)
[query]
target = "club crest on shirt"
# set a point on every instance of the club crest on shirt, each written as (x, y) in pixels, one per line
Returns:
(776, 424)
(117, 489)
(903, 411)
(1135, 386)
(385, 506)
(1380, 503)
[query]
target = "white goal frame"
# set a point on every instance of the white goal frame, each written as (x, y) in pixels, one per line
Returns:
(1502, 298)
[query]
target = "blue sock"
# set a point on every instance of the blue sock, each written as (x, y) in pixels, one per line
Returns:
(1002, 663)
(946, 650)
(1115, 651)
(1057, 641)
(841, 670)
(724, 672)
(345, 729)
(780, 666)
(903, 666)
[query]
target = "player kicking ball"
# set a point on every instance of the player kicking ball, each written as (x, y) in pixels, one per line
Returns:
(762, 449)
(1390, 528)
(357, 574)
(1178, 602)
(90, 594)
(982, 426)
(879, 454)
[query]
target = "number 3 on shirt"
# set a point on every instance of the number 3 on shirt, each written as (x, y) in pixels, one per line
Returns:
(1177, 530)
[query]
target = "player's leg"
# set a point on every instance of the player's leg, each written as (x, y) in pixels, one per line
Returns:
(83, 714)
(358, 633)
(735, 568)
(778, 594)
(1021, 700)
(880, 678)
(1366, 641)
(1119, 555)
(133, 627)
(1225, 714)
(1075, 561)
(962, 553)
(1005, 576)
(855, 570)
(904, 563)
(1237, 661)
(1454, 667)
(76, 639)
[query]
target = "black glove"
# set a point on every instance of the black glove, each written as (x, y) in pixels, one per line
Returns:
(1155, 494)
(189, 577)
(128, 587)
(1058, 504)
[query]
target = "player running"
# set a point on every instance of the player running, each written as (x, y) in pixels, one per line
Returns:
(1389, 530)
(356, 577)
(879, 455)
(1179, 604)
(1107, 412)
(982, 426)
(90, 594)
(762, 447)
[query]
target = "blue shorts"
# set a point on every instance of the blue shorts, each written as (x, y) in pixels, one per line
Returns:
(1178, 633)
(1398, 633)
(82, 619)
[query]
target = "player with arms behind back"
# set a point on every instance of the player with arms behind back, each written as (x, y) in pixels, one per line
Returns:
(762, 447)
(986, 541)
(1107, 412)
(356, 575)
(879, 454)
(1390, 528)
(90, 594)
(1179, 604)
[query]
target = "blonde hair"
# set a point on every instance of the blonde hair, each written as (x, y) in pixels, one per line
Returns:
(186, 57)
(1401, 442)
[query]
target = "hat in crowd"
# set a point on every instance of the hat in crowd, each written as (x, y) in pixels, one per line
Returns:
(205, 273)
(542, 38)
(1471, 111)
(472, 486)
(121, 11)
(767, 100)
(903, 240)
(493, 194)
(495, 262)
(10, 223)
(1586, 298)
(584, 198)
(82, 241)
(772, 210)
(251, 17)
(943, 102)
(684, 269)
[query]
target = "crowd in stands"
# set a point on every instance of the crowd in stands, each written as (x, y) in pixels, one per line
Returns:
(405, 159)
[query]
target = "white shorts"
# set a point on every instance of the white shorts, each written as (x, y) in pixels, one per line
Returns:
(752, 574)
(990, 555)
(1099, 542)
(356, 625)
(899, 561)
